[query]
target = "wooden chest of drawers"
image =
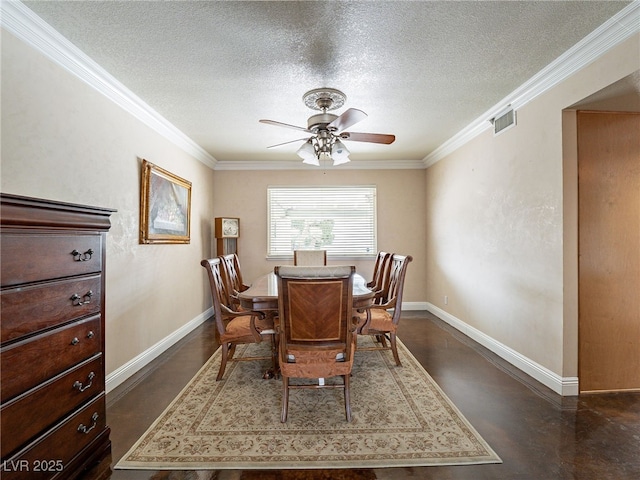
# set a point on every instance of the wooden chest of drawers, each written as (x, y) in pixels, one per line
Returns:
(52, 386)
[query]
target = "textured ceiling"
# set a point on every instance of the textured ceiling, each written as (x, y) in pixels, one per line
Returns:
(422, 70)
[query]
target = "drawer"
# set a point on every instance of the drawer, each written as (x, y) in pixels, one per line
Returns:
(27, 309)
(53, 451)
(28, 363)
(36, 257)
(27, 415)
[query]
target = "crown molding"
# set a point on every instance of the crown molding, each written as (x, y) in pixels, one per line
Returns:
(611, 33)
(19, 20)
(298, 165)
(24, 24)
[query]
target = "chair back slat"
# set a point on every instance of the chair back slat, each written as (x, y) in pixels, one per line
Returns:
(219, 292)
(379, 268)
(232, 274)
(381, 274)
(397, 273)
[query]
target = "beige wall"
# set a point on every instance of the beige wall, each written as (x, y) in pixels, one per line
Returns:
(490, 226)
(62, 140)
(500, 232)
(400, 205)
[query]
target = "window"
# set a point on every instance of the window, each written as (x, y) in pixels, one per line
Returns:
(340, 220)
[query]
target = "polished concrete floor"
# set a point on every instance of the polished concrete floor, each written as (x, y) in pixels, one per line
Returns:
(538, 434)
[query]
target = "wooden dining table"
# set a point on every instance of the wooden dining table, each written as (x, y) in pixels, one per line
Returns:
(262, 295)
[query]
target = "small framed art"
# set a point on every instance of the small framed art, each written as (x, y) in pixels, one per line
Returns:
(165, 206)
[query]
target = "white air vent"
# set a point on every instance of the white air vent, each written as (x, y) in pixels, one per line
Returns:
(504, 121)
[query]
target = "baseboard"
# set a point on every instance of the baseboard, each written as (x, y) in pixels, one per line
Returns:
(122, 373)
(415, 306)
(565, 386)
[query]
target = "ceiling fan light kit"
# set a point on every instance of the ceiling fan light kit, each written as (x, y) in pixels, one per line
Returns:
(327, 129)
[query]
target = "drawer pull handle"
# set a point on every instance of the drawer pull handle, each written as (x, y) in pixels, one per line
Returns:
(80, 300)
(76, 341)
(84, 429)
(82, 257)
(81, 388)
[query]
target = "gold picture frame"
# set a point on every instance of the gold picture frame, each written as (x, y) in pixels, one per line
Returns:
(165, 206)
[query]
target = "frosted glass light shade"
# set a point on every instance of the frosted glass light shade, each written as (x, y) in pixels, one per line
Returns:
(308, 154)
(339, 153)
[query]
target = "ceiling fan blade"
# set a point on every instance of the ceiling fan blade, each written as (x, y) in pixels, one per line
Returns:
(291, 141)
(348, 118)
(368, 137)
(280, 124)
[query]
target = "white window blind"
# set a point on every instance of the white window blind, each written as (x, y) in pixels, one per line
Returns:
(340, 220)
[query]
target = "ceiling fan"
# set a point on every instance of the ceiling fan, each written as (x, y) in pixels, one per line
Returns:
(327, 129)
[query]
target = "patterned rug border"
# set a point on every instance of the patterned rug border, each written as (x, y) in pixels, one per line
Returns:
(364, 461)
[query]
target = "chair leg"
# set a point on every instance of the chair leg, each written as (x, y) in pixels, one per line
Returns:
(285, 398)
(223, 362)
(232, 351)
(394, 349)
(274, 354)
(347, 396)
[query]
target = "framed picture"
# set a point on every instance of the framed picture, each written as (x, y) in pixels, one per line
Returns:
(165, 206)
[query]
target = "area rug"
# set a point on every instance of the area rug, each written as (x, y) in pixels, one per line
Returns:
(401, 418)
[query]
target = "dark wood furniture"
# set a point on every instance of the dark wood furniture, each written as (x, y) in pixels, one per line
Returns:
(377, 320)
(316, 328)
(380, 279)
(262, 295)
(232, 276)
(234, 327)
(52, 338)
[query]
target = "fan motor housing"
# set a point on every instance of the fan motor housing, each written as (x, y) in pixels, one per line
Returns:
(320, 121)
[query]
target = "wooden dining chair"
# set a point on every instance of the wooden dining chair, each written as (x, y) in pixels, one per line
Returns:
(379, 282)
(234, 328)
(309, 258)
(377, 320)
(316, 328)
(232, 276)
